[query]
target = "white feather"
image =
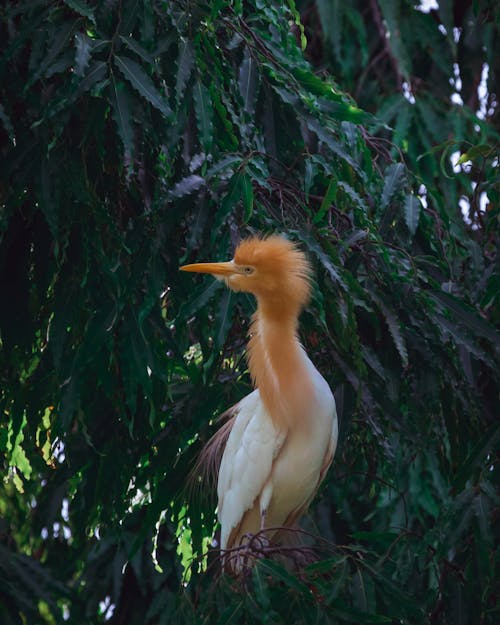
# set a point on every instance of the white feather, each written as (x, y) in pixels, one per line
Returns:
(281, 469)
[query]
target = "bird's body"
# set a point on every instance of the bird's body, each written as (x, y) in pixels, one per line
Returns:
(283, 435)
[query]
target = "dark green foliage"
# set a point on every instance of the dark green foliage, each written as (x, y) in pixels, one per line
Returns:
(138, 135)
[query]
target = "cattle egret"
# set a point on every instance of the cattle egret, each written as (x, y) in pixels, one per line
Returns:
(281, 438)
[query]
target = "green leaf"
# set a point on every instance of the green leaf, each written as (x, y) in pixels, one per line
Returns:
(82, 8)
(391, 12)
(247, 82)
(344, 612)
(354, 195)
(83, 51)
(261, 588)
(298, 23)
(120, 101)
(199, 298)
(186, 186)
(330, 14)
(279, 573)
(393, 182)
(325, 135)
(477, 151)
(247, 196)
(486, 443)
(185, 64)
(394, 328)
(63, 37)
(133, 45)
(223, 164)
(204, 115)
(97, 72)
(224, 318)
(327, 200)
(323, 257)
(412, 212)
(7, 124)
(469, 317)
(142, 83)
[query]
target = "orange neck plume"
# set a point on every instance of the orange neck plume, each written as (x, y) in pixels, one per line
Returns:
(277, 364)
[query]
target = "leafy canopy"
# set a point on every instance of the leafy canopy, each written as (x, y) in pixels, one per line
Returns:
(141, 134)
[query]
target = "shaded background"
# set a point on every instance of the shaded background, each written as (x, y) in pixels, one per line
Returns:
(137, 135)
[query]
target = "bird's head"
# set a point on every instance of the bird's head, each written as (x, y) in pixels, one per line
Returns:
(271, 268)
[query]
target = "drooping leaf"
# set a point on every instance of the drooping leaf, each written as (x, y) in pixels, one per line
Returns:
(187, 185)
(247, 196)
(83, 51)
(122, 114)
(7, 124)
(142, 83)
(393, 183)
(248, 82)
(394, 328)
(412, 212)
(184, 68)
(204, 114)
(82, 8)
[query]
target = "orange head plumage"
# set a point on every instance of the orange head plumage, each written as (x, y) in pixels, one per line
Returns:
(272, 268)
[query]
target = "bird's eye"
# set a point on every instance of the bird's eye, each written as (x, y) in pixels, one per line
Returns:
(247, 270)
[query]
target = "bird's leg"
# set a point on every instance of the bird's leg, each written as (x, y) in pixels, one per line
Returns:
(265, 500)
(263, 519)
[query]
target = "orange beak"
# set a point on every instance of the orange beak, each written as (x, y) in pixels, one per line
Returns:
(216, 269)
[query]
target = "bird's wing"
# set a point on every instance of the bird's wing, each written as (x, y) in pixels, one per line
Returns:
(252, 446)
(295, 514)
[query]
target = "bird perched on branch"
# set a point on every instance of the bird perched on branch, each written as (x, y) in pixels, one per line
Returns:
(281, 438)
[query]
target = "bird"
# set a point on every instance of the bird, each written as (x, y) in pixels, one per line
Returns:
(279, 441)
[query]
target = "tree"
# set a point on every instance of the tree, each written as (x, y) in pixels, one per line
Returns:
(137, 135)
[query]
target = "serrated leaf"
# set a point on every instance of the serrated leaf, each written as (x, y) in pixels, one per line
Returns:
(469, 317)
(224, 318)
(120, 102)
(393, 183)
(230, 199)
(82, 8)
(476, 151)
(354, 195)
(7, 124)
(488, 441)
(261, 588)
(247, 196)
(199, 298)
(327, 137)
(298, 23)
(64, 35)
(184, 68)
(323, 257)
(47, 204)
(391, 11)
(136, 47)
(204, 112)
(247, 82)
(232, 159)
(327, 200)
(412, 212)
(351, 615)
(310, 171)
(394, 328)
(97, 72)
(281, 574)
(186, 186)
(461, 339)
(83, 50)
(142, 83)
